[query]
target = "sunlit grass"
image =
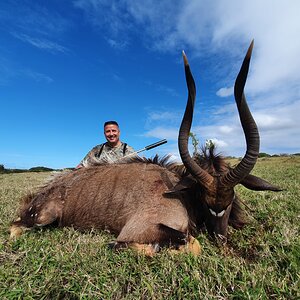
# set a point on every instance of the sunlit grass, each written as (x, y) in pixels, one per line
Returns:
(262, 261)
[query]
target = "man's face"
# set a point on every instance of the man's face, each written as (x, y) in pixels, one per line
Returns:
(112, 134)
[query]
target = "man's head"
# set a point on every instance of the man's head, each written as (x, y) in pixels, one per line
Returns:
(112, 133)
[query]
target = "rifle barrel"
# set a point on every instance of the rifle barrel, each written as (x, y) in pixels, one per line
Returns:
(156, 144)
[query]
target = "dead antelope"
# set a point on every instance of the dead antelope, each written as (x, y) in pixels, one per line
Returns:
(152, 203)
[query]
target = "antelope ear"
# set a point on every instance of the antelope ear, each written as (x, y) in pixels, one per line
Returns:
(257, 184)
(184, 184)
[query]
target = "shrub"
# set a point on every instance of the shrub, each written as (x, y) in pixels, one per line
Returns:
(262, 154)
(40, 169)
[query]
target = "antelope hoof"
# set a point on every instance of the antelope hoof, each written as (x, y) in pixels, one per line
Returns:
(145, 249)
(16, 231)
(192, 246)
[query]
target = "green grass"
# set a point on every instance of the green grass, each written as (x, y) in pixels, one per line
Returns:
(262, 261)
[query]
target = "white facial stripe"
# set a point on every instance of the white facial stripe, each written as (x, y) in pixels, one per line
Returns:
(221, 213)
(218, 215)
(212, 212)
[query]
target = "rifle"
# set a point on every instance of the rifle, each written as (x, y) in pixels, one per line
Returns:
(151, 146)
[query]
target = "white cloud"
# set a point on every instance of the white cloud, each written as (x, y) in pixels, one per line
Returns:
(219, 143)
(163, 133)
(226, 129)
(225, 92)
(111, 15)
(278, 127)
(9, 71)
(158, 119)
(116, 44)
(34, 24)
(35, 19)
(43, 44)
(162, 116)
(36, 76)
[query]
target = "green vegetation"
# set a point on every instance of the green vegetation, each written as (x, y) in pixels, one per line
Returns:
(195, 143)
(3, 170)
(262, 261)
(34, 169)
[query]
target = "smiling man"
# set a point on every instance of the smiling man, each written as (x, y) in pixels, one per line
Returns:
(111, 151)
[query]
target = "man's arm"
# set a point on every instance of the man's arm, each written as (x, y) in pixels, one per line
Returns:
(129, 150)
(89, 158)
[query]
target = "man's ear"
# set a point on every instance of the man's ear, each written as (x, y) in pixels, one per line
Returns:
(257, 184)
(184, 184)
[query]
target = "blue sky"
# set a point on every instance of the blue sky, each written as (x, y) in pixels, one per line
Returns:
(68, 66)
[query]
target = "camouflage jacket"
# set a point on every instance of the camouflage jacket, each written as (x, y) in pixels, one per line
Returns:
(104, 153)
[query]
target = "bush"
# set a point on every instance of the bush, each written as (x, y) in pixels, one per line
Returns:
(40, 169)
(262, 154)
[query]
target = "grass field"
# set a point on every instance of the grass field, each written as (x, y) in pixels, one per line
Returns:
(262, 261)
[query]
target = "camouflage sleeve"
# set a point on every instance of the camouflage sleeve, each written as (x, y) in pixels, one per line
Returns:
(90, 157)
(129, 150)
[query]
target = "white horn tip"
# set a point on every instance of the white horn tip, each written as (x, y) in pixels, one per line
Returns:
(185, 58)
